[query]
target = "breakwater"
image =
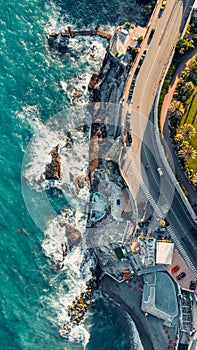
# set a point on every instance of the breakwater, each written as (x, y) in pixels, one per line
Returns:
(60, 40)
(70, 33)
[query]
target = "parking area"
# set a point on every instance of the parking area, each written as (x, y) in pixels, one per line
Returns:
(178, 260)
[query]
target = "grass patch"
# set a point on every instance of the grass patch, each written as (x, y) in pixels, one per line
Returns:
(119, 253)
(186, 145)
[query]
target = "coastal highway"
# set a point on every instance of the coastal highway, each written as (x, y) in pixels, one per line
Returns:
(166, 25)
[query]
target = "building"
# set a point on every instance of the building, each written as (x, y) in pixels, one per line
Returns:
(147, 250)
(194, 12)
(164, 253)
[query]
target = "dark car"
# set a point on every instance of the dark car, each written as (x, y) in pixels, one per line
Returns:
(192, 285)
(151, 36)
(128, 139)
(180, 276)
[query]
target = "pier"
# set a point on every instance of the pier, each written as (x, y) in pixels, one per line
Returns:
(69, 33)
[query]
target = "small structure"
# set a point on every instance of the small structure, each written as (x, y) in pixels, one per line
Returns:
(164, 253)
(194, 12)
(98, 206)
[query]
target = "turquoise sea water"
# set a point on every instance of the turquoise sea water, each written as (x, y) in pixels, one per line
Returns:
(31, 91)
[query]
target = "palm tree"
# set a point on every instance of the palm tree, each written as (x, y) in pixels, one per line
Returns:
(176, 108)
(192, 70)
(194, 179)
(179, 138)
(187, 152)
(185, 132)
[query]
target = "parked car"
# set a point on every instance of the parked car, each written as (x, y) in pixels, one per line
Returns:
(128, 139)
(159, 171)
(144, 53)
(192, 285)
(151, 36)
(163, 5)
(175, 268)
(180, 276)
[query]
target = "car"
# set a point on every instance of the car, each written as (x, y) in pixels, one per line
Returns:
(142, 58)
(180, 276)
(144, 53)
(163, 5)
(175, 268)
(128, 139)
(192, 285)
(151, 33)
(161, 230)
(129, 114)
(159, 171)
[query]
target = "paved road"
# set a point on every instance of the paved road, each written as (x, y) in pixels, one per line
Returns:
(159, 188)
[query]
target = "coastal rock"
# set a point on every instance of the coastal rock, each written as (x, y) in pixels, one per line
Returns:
(94, 156)
(81, 181)
(93, 81)
(53, 170)
(73, 235)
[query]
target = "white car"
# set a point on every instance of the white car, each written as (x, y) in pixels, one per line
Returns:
(159, 171)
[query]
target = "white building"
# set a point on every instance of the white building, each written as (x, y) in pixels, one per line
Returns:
(164, 253)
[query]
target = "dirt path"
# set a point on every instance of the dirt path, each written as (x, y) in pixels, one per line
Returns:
(180, 174)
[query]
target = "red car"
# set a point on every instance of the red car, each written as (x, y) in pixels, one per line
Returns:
(175, 269)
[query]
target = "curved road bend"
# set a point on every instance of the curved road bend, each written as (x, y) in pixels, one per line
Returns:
(167, 32)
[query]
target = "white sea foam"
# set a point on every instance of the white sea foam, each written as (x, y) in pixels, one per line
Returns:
(135, 335)
(77, 270)
(74, 163)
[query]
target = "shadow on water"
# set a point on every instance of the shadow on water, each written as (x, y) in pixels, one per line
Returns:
(97, 12)
(109, 328)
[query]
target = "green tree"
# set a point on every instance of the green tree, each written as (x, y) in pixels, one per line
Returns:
(140, 39)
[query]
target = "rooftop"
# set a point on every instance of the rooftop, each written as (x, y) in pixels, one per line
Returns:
(164, 252)
(147, 250)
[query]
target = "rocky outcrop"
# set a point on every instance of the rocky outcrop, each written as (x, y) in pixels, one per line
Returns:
(93, 81)
(53, 170)
(73, 235)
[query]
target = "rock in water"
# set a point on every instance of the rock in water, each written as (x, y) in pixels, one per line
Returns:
(53, 170)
